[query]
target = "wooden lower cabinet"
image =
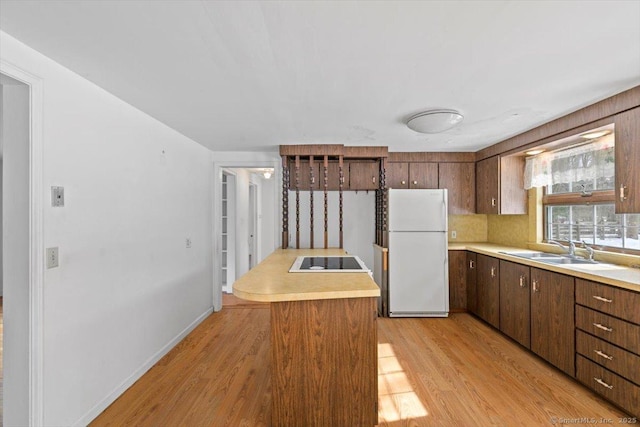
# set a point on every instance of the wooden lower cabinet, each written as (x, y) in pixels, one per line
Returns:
(472, 273)
(552, 318)
(488, 289)
(515, 302)
(457, 280)
(612, 386)
(324, 362)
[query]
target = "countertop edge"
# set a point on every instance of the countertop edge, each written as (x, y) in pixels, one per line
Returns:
(494, 250)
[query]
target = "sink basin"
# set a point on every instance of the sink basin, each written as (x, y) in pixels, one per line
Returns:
(533, 255)
(566, 260)
(550, 258)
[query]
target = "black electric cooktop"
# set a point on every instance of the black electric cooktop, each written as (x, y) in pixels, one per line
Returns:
(328, 264)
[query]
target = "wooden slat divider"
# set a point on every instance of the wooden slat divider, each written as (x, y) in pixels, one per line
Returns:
(312, 181)
(326, 202)
(297, 167)
(340, 186)
(285, 202)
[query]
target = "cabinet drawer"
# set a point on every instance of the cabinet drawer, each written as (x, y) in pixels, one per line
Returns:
(616, 331)
(608, 355)
(608, 299)
(615, 388)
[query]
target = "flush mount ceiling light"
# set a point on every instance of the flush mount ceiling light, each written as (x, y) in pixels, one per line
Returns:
(534, 152)
(434, 121)
(595, 134)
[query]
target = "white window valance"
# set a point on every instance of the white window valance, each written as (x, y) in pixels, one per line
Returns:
(586, 162)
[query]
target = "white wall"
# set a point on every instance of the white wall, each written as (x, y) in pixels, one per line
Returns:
(127, 287)
(1, 216)
(358, 221)
(15, 130)
(268, 221)
(242, 221)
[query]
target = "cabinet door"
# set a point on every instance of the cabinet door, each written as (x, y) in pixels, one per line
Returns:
(423, 175)
(333, 176)
(304, 176)
(363, 175)
(472, 270)
(397, 175)
(487, 175)
(627, 150)
(457, 280)
(460, 181)
(515, 302)
(488, 289)
(552, 318)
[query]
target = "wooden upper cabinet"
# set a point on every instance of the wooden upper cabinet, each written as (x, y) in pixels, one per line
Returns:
(397, 174)
(460, 180)
(411, 175)
(423, 175)
(364, 175)
(500, 186)
(487, 186)
(333, 176)
(627, 150)
(304, 175)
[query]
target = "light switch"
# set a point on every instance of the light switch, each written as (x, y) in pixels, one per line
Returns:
(57, 197)
(52, 257)
(188, 242)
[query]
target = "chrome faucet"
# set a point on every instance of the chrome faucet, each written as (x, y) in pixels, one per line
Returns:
(590, 251)
(571, 250)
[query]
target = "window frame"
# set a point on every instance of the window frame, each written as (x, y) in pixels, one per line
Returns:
(599, 197)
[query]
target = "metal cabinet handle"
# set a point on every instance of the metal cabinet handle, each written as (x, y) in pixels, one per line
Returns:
(535, 286)
(604, 328)
(602, 383)
(623, 192)
(493, 201)
(415, 182)
(602, 299)
(601, 354)
(373, 179)
(522, 282)
(493, 272)
(403, 182)
(472, 264)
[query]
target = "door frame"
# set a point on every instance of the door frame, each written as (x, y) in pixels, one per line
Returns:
(254, 232)
(218, 166)
(35, 351)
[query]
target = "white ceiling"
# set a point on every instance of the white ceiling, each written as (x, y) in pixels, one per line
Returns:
(253, 75)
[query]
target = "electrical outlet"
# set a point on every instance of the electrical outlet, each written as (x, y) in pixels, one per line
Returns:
(454, 234)
(52, 257)
(188, 242)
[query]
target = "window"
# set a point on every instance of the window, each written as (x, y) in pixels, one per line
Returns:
(579, 195)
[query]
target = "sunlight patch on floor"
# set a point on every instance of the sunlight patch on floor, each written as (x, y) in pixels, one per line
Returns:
(397, 400)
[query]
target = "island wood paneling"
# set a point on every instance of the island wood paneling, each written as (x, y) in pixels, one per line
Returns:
(324, 362)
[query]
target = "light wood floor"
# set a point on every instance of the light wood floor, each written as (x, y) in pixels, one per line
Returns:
(432, 372)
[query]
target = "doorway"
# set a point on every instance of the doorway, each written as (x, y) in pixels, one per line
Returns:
(244, 195)
(21, 101)
(253, 224)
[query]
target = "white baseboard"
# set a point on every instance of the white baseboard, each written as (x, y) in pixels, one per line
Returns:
(135, 376)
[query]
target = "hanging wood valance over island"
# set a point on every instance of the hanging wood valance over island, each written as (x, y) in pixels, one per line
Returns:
(331, 167)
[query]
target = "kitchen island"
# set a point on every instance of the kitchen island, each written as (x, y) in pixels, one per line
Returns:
(323, 341)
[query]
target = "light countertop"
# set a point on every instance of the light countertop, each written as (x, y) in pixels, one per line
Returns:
(615, 275)
(270, 281)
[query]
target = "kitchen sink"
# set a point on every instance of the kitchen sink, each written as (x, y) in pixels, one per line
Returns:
(549, 258)
(533, 255)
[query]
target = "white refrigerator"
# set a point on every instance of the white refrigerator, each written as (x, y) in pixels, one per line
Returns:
(418, 283)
